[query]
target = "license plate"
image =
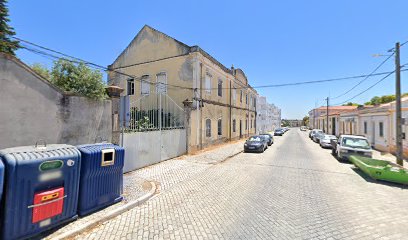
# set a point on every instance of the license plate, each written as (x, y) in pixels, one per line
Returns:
(251, 147)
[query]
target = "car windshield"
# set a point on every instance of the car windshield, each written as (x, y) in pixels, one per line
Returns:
(356, 143)
(255, 139)
(265, 135)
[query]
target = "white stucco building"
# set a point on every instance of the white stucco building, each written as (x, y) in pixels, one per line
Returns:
(268, 116)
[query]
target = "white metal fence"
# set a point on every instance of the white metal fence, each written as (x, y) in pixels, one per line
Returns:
(155, 111)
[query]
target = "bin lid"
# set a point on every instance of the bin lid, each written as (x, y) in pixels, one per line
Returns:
(33, 152)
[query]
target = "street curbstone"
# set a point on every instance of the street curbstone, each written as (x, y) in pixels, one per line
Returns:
(72, 233)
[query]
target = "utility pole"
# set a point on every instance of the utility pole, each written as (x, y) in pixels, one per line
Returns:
(327, 115)
(398, 105)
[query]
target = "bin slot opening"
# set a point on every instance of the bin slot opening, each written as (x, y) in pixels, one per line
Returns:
(108, 157)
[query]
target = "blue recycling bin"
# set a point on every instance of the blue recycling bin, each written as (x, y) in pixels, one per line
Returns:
(41, 188)
(1, 186)
(101, 181)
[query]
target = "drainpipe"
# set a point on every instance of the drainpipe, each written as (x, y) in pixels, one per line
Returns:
(200, 104)
(230, 112)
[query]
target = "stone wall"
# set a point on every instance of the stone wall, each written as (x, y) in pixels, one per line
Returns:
(32, 109)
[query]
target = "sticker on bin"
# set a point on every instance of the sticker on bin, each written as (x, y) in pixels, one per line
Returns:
(48, 204)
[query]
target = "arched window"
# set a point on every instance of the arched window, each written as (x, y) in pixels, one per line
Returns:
(208, 128)
(219, 127)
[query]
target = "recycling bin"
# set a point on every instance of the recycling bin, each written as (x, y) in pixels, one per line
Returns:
(1, 186)
(41, 188)
(101, 181)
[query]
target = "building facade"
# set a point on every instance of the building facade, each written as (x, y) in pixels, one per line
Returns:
(268, 116)
(377, 123)
(156, 66)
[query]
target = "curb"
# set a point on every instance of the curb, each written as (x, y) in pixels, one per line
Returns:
(110, 215)
(231, 156)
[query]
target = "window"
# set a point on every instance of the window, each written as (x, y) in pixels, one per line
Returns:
(381, 129)
(220, 87)
(208, 128)
(246, 124)
(254, 102)
(234, 125)
(251, 122)
(234, 95)
(219, 127)
(365, 127)
(240, 98)
(131, 86)
(145, 85)
(208, 82)
(246, 99)
(161, 80)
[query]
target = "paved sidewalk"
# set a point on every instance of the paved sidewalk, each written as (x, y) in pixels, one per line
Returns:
(134, 187)
(165, 175)
(387, 156)
(219, 154)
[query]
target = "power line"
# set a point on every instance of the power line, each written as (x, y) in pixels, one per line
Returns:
(360, 82)
(305, 82)
(77, 60)
(100, 67)
(382, 79)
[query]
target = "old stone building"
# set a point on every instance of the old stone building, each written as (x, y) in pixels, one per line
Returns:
(156, 66)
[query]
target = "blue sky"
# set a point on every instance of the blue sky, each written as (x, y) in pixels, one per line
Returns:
(274, 42)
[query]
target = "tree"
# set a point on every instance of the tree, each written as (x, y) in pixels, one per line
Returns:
(350, 104)
(305, 121)
(6, 32)
(78, 78)
(42, 70)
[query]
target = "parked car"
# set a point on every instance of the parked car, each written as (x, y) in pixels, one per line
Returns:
(256, 144)
(269, 136)
(278, 132)
(348, 145)
(317, 136)
(285, 129)
(325, 142)
(313, 132)
(303, 128)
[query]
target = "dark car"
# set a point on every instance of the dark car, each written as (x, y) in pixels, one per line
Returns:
(256, 144)
(269, 136)
(278, 132)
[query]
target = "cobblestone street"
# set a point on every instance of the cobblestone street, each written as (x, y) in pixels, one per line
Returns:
(295, 190)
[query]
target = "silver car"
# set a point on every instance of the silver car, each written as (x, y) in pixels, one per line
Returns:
(325, 142)
(317, 136)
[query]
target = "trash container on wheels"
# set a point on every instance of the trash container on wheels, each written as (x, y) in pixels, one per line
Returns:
(41, 188)
(1, 186)
(101, 181)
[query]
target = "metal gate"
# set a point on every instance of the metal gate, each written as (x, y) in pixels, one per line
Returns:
(154, 130)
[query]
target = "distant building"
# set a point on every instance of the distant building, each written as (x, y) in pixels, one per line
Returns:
(293, 122)
(268, 116)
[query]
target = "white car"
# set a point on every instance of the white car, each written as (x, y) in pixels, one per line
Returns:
(348, 145)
